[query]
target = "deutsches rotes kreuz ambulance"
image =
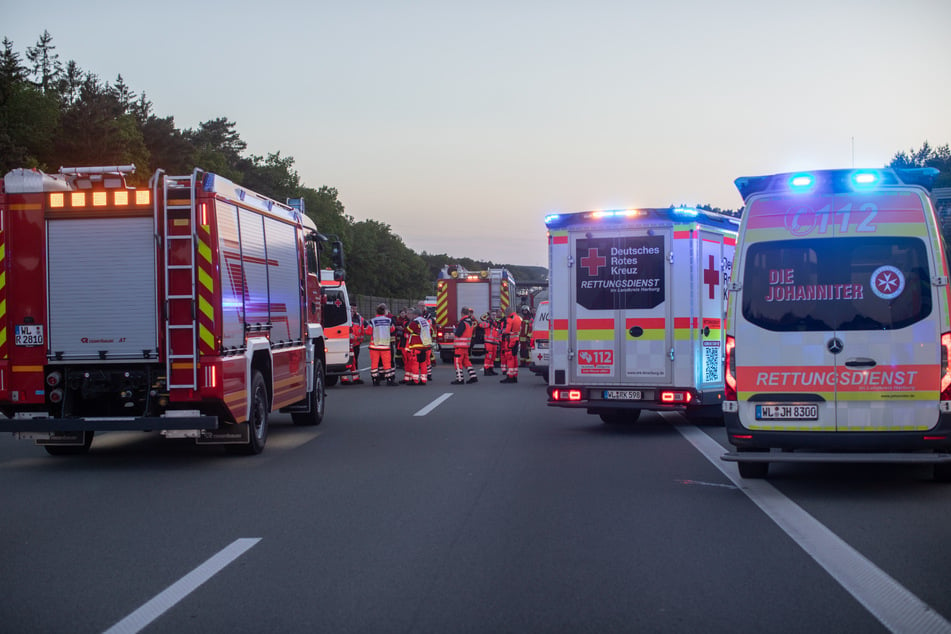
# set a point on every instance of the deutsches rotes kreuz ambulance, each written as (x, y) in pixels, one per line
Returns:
(838, 333)
(637, 305)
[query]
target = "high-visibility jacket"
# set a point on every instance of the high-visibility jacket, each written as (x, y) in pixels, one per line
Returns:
(357, 331)
(418, 334)
(381, 332)
(513, 325)
(491, 328)
(463, 333)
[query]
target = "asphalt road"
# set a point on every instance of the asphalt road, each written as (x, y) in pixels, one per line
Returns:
(489, 512)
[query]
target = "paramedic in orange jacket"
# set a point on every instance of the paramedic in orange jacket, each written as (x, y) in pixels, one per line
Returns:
(381, 330)
(418, 342)
(460, 345)
(490, 327)
(357, 331)
(513, 325)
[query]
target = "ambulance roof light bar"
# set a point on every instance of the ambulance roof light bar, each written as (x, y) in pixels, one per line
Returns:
(835, 180)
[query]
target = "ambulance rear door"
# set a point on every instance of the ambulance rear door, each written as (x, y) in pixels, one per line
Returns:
(622, 306)
(888, 321)
(785, 374)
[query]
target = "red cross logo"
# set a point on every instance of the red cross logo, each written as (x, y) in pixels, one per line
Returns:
(711, 276)
(593, 261)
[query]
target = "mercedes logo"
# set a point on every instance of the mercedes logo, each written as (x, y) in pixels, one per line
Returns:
(834, 345)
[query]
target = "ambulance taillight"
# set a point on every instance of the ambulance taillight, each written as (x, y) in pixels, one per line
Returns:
(946, 366)
(729, 387)
(675, 396)
(566, 395)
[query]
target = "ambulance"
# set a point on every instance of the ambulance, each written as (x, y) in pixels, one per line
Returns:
(636, 306)
(337, 321)
(838, 333)
(539, 354)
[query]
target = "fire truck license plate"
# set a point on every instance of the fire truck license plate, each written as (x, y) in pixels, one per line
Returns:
(28, 335)
(622, 395)
(787, 412)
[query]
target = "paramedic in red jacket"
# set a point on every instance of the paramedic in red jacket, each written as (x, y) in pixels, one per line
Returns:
(461, 343)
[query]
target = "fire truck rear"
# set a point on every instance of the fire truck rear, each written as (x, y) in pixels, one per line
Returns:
(191, 307)
(482, 291)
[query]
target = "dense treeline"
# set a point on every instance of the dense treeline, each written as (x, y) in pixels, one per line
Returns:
(55, 114)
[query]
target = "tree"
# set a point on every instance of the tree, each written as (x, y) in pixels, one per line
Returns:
(97, 130)
(46, 67)
(218, 147)
(28, 118)
(378, 263)
(927, 156)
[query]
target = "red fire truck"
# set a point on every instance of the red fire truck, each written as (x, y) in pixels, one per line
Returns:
(190, 307)
(482, 291)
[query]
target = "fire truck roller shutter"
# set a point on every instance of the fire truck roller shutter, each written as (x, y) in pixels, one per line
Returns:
(102, 290)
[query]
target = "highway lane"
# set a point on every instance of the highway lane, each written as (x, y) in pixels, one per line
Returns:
(491, 512)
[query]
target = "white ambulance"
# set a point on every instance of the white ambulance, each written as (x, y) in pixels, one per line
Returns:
(838, 331)
(636, 311)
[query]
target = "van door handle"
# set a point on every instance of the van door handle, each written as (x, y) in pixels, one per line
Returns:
(861, 363)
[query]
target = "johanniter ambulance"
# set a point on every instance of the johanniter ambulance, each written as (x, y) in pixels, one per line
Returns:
(838, 342)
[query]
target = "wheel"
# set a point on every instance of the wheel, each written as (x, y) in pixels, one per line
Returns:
(315, 400)
(257, 419)
(705, 416)
(942, 472)
(71, 450)
(331, 381)
(753, 470)
(618, 417)
(446, 357)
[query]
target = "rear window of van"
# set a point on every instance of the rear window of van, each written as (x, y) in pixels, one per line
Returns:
(335, 311)
(877, 283)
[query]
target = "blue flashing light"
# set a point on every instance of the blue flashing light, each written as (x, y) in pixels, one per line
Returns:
(801, 181)
(690, 212)
(551, 218)
(865, 179)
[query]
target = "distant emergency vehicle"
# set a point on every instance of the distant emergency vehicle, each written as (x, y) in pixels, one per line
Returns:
(539, 347)
(839, 334)
(337, 321)
(636, 310)
(482, 291)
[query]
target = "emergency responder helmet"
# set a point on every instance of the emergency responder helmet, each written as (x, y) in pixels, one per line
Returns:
(484, 317)
(526, 310)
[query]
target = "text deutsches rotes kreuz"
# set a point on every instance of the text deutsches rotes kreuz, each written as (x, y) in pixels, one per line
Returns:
(624, 262)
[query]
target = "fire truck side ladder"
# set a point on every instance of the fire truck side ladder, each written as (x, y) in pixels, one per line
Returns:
(181, 326)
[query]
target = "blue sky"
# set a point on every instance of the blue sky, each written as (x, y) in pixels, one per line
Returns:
(461, 125)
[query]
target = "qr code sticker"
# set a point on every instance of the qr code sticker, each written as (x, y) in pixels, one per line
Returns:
(711, 363)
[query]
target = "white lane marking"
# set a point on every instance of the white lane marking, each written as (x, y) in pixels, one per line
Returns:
(891, 603)
(433, 405)
(139, 619)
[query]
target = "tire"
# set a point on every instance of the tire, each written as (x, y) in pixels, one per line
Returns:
(315, 400)
(942, 472)
(753, 470)
(257, 419)
(71, 450)
(705, 416)
(445, 357)
(331, 381)
(620, 417)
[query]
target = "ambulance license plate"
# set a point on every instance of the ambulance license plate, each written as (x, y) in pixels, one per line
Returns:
(622, 395)
(28, 335)
(787, 412)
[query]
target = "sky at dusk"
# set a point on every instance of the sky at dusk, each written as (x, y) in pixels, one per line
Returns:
(461, 125)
